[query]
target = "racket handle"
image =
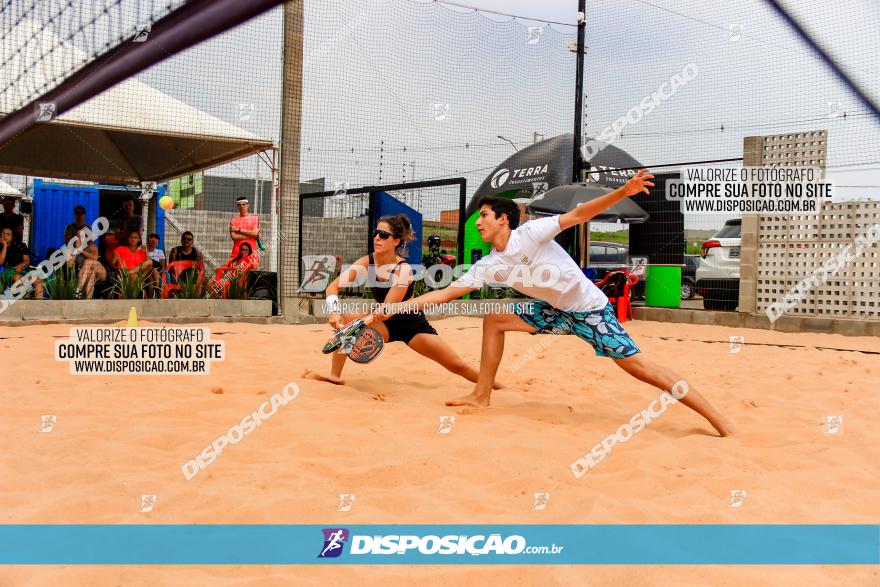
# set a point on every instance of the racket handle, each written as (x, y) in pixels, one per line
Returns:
(335, 341)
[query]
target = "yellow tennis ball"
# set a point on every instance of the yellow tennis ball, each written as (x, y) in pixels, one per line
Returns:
(166, 203)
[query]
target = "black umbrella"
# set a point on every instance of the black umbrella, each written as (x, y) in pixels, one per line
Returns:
(548, 164)
(560, 200)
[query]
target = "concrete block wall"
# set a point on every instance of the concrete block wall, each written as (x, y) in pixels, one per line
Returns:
(211, 231)
(794, 248)
(748, 264)
(344, 237)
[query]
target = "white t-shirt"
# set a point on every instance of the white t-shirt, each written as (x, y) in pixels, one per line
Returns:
(156, 254)
(535, 265)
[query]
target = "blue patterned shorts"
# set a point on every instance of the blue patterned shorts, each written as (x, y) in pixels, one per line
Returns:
(600, 328)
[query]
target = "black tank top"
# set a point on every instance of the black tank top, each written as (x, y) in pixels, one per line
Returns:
(193, 255)
(379, 293)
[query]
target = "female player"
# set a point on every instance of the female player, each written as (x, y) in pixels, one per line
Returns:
(413, 329)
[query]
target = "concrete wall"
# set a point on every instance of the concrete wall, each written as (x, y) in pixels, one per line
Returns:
(25, 311)
(753, 156)
(345, 237)
(789, 149)
(748, 264)
(815, 248)
(312, 311)
(211, 232)
(761, 321)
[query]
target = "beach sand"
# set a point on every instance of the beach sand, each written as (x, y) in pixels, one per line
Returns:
(119, 437)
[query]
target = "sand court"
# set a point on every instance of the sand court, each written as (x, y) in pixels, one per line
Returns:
(115, 439)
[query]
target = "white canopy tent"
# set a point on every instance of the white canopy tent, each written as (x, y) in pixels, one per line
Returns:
(8, 190)
(129, 134)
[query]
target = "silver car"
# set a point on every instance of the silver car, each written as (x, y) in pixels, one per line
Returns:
(718, 273)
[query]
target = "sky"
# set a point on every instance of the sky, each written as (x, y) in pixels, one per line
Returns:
(848, 29)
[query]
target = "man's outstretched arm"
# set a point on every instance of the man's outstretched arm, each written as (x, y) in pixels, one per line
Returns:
(637, 184)
(438, 296)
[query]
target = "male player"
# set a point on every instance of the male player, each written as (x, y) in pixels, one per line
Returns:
(566, 303)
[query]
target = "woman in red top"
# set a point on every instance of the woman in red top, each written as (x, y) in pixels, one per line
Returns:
(133, 258)
(235, 267)
(244, 261)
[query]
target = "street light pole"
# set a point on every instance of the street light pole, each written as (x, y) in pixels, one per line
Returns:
(509, 141)
(577, 162)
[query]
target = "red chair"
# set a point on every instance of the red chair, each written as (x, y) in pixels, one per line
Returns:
(222, 281)
(171, 275)
(616, 286)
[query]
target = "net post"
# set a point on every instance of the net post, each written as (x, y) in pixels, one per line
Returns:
(462, 197)
(371, 220)
(291, 121)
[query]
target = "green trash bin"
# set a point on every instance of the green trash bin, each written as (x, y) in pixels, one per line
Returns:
(663, 286)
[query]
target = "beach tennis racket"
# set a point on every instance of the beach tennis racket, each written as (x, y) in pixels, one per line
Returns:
(346, 332)
(366, 346)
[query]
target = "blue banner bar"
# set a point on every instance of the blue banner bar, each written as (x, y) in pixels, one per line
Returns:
(827, 544)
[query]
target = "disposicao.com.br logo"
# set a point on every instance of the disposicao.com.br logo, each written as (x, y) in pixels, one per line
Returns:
(334, 540)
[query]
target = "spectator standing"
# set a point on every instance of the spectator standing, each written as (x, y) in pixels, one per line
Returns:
(79, 222)
(129, 221)
(123, 224)
(9, 219)
(244, 228)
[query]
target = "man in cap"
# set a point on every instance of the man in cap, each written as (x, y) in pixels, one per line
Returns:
(244, 228)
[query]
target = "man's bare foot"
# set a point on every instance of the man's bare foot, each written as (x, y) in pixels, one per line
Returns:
(472, 399)
(309, 374)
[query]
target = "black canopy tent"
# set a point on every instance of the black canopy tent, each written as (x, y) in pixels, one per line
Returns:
(550, 162)
(563, 198)
(547, 165)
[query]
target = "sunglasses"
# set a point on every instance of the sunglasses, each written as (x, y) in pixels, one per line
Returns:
(187, 239)
(242, 204)
(382, 234)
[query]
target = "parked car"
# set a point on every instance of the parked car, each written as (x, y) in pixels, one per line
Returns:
(605, 256)
(718, 273)
(689, 276)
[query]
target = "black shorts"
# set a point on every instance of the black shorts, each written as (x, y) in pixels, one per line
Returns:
(404, 327)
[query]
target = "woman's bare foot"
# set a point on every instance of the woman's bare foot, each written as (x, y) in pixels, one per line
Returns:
(725, 427)
(309, 374)
(472, 399)
(499, 385)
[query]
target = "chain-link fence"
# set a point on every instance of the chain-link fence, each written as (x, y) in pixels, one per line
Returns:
(400, 92)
